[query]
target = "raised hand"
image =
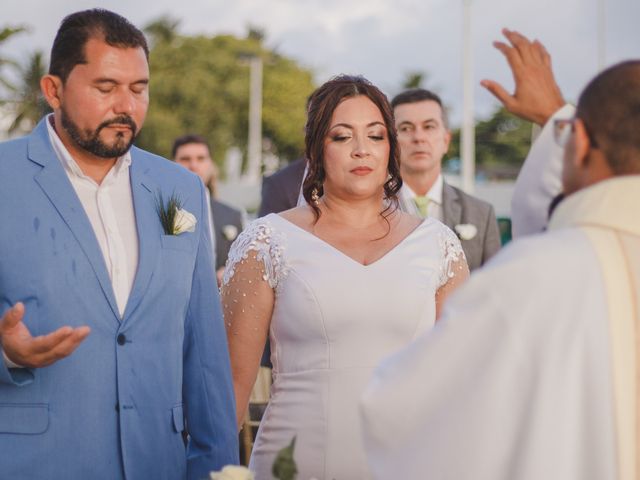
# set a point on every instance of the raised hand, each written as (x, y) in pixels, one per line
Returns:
(537, 95)
(28, 351)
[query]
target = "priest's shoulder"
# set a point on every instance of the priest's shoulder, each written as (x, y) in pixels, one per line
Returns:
(549, 249)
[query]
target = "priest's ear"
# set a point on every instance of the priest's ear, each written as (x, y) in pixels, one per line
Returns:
(51, 87)
(581, 144)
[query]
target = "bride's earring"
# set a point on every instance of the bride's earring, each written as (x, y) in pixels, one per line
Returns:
(315, 198)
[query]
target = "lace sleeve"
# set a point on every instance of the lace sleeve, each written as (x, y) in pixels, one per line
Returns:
(453, 268)
(254, 271)
(453, 258)
(268, 245)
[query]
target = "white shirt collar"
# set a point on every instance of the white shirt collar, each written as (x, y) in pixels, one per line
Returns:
(71, 166)
(434, 194)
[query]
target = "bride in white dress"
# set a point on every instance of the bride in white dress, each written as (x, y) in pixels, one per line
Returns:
(338, 285)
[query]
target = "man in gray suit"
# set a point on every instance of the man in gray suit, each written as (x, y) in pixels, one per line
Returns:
(193, 153)
(424, 138)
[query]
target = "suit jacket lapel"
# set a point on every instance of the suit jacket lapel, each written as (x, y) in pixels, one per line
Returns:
(53, 180)
(144, 192)
(451, 208)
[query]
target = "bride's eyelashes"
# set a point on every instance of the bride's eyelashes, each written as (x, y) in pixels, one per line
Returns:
(377, 137)
(340, 138)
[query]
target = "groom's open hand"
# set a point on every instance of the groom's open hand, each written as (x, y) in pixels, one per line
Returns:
(28, 351)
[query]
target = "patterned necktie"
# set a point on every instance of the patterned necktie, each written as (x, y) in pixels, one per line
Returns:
(422, 202)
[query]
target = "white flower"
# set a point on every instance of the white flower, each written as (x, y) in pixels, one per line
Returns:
(232, 472)
(184, 222)
(466, 231)
(230, 232)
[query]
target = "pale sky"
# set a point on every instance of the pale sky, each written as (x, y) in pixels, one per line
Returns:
(380, 39)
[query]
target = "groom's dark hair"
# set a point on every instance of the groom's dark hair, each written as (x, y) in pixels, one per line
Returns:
(75, 31)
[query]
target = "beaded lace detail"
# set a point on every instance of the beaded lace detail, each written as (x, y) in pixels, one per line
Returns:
(452, 253)
(269, 245)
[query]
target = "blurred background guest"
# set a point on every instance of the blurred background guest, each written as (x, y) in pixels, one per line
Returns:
(424, 137)
(193, 153)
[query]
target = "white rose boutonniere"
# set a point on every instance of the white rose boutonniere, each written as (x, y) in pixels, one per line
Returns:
(230, 232)
(174, 219)
(232, 472)
(184, 222)
(466, 231)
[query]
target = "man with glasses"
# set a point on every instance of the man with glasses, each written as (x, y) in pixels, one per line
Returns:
(533, 369)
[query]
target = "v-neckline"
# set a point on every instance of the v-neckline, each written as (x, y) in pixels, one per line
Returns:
(340, 252)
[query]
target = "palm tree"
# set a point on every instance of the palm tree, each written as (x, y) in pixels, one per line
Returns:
(29, 104)
(414, 80)
(162, 30)
(5, 34)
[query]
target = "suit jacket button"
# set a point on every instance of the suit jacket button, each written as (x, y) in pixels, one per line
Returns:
(121, 339)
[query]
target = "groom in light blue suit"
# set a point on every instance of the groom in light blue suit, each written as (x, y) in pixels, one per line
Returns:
(111, 331)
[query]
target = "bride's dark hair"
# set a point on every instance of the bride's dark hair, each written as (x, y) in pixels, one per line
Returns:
(321, 106)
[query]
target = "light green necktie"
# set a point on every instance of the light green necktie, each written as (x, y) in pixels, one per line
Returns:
(422, 202)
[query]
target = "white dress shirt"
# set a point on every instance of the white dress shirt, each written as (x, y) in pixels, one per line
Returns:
(434, 209)
(109, 207)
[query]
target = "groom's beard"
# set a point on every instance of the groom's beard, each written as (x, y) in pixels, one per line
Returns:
(90, 140)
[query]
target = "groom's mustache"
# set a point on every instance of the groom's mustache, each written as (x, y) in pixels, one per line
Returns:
(119, 120)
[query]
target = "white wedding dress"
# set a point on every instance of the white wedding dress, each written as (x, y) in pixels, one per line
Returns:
(334, 319)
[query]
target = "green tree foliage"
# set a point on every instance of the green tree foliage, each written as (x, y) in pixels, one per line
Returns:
(502, 143)
(164, 29)
(30, 104)
(5, 34)
(200, 85)
(413, 80)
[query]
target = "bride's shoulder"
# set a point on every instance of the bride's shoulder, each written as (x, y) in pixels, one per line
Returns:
(301, 217)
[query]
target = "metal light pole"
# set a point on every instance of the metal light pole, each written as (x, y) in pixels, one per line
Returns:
(254, 146)
(601, 35)
(467, 136)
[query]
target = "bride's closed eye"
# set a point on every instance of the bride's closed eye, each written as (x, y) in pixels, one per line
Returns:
(340, 138)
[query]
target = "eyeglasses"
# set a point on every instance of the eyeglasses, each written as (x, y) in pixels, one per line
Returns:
(563, 127)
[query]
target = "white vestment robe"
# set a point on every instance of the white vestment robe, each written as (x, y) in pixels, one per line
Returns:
(530, 373)
(539, 180)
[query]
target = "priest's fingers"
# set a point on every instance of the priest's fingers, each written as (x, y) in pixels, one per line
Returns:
(544, 54)
(500, 93)
(511, 54)
(522, 45)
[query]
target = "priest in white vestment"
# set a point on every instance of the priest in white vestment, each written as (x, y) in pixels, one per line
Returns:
(532, 371)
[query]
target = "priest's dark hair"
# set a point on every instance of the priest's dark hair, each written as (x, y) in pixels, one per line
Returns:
(609, 108)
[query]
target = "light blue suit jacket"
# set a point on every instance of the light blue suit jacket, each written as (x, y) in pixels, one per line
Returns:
(116, 407)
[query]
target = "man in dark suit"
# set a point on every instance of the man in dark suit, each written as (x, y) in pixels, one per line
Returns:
(280, 191)
(424, 138)
(193, 153)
